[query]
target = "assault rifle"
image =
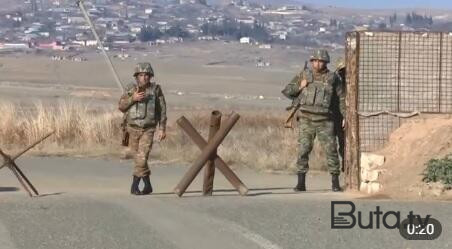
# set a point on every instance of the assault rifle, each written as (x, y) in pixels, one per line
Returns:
(296, 102)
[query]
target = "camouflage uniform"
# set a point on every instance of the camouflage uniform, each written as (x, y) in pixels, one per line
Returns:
(143, 118)
(318, 99)
(338, 130)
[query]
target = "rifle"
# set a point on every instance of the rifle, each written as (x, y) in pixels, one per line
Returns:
(295, 103)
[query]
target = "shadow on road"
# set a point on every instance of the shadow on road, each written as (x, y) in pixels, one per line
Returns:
(51, 194)
(222, 190)
(289, 192)
(252, 192)
(8, 189)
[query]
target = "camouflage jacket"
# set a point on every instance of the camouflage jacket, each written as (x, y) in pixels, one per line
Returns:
(147, 113)
(318, 84)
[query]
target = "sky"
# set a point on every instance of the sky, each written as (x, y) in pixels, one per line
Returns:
(384, 4)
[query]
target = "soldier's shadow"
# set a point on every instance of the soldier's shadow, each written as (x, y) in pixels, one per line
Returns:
(289, 191)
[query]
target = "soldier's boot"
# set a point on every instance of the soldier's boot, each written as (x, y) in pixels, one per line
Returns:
(134, 189)
(147, 185)
(335, 183)
(301, 185)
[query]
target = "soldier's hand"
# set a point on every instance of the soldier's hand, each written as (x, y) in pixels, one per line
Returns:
(138, 96)
(303, 84)
(161, 135)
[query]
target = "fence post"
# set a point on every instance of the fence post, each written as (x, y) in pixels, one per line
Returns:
(441, 37)
(352, 152)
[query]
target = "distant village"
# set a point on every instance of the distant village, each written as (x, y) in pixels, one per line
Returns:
(59, 25)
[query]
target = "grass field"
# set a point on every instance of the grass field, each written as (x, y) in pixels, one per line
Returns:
(257, 141)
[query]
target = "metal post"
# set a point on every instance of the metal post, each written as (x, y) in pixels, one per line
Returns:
(206, 154)
(107, 59)
(219, 163)
(209, 171)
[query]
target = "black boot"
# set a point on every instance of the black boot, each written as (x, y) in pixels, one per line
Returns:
(147, 185)
(335, 183)
(134, 189)
(301, 186)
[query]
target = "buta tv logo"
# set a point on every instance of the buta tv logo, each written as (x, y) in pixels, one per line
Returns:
(413, 227)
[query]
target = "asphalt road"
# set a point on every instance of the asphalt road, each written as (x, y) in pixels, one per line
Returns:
(85, 204)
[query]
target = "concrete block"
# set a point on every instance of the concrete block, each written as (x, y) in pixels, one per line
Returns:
(363, 186)
(373, 187)
(370, 175)
(370, 187)
(371, 161)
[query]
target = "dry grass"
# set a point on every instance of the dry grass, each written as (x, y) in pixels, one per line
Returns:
(78, 129)
(258, 140)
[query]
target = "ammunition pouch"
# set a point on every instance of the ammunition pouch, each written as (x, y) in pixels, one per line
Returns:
(144, 113)
(317, 96)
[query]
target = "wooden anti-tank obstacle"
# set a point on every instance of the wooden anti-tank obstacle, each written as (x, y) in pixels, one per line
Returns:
(209, 155)
(9, 162)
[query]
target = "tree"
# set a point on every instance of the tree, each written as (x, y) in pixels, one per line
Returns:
(177, 31)
(415, 20)
(147, 33)
(393, 19)
(408, 19)
(231, 28)
(333, 22)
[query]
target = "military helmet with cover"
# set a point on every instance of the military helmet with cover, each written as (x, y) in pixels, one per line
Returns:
(340, 64)
(320, 54)
(143, 67)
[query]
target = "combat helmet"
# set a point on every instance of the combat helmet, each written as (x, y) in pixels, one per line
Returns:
(340, 64)
(143, 67)
(320, 54)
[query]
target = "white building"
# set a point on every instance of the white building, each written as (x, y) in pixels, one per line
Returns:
(91, 43)
(247, 20)
(75, 19)
(135, 27)
(245, 40)
(265, 46)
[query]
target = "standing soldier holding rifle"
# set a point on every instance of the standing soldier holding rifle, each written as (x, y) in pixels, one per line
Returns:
(338, 129)
(145, 108)
(316, 91)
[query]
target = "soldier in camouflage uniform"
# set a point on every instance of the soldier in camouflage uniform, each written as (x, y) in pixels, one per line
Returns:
(145, 108)
(318, 91)
(338, 118)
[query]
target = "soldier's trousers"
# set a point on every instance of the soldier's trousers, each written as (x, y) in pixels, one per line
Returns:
(324, 130)
(339, 131)
(140, 142)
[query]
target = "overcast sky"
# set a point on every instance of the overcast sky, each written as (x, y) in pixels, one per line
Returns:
(385, 4)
